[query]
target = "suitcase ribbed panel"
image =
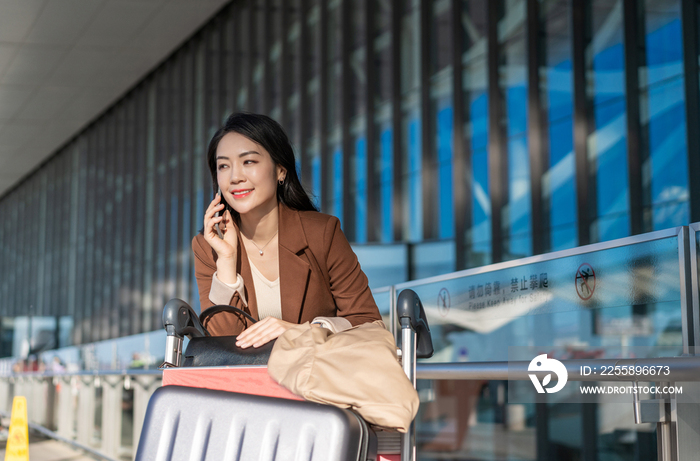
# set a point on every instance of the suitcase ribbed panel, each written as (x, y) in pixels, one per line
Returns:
(388, 443)
(188, 424)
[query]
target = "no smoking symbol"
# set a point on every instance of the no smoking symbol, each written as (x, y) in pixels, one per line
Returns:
(444, 302)
(585, 281)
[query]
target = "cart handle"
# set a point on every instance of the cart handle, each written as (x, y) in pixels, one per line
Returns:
(409, 307)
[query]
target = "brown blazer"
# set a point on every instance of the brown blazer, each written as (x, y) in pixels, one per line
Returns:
(319, 275)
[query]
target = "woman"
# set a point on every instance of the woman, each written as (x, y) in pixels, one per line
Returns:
(278, 258)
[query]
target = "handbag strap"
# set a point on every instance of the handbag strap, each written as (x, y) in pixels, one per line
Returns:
(223, 308)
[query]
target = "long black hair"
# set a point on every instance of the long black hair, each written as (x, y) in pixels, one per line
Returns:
(263, 130)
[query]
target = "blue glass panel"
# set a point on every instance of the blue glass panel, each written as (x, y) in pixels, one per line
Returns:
(361, 190)
(668, 151)
(519, 185)
(612, 226)
(664, 102)
(561, 178)
(173, 240)
(338, 184)
(199, 204)
(611, 159)
(513, 83)
(387, 195)
(564, 237)
(608, 146)
(559, 90)
(541, 303)
(481, 202)
(415, 186)
(384, 265)
(432, 258)
(479, 120)
(316, 179)
(516, 107)
(664, 43)
(185, 235)
(444, 151)
(609, 75)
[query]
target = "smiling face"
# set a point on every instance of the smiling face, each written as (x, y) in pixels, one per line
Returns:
(246, 175)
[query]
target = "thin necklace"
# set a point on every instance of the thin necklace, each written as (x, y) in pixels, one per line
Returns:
(263, 247)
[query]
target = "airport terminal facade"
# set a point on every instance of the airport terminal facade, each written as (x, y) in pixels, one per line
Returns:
(444, 134)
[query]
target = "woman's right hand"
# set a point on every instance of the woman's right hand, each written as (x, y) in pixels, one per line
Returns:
(227, 248)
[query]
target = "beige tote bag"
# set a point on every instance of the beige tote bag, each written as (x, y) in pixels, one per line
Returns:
(355, 368)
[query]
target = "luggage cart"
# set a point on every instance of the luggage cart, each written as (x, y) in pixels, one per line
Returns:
(209, 409)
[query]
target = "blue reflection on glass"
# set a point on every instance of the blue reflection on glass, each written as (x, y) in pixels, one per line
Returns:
(609, 151)
(562, 186)
(481, 202)
(613, 187)
(444, 151)
(516, 107)
(519, 208)
(519, 203)
(559, 180)
(316, 179)
(387, 195)
(667, 122)
(433, 258)
(480, 196)
(384, 265)
(173, 239)
(479, 121)
(361, 190)
(199, 204)
(338, 184)
(415, 187)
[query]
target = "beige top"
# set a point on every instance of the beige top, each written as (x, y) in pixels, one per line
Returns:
(267, 292)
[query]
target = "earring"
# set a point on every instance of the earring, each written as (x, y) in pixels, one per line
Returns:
(281, 181)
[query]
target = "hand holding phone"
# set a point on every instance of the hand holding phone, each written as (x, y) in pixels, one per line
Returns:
(219, 231)
(217, 214)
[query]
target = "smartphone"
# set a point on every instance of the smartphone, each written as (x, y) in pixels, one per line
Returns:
(217, 214)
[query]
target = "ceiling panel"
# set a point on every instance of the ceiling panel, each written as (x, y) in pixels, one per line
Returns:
(62, 22)
(7, 52)
(17, 17)
(12, 99)
(90, 61)
(47, 103)
(32, 64)
(16, 135)
(64, 62)
(117, 22)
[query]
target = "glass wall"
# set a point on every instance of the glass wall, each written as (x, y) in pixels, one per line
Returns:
(411, 122)
(474, 83)
(608, 140)
(390, 106)
(556, 93)
(662, 102)
(513, 85)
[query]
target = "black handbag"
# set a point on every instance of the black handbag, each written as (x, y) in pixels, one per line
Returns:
(218, 351)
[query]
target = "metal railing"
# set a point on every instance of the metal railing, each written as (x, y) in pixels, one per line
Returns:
(74, 394)
(681, 369)
(66, 406)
